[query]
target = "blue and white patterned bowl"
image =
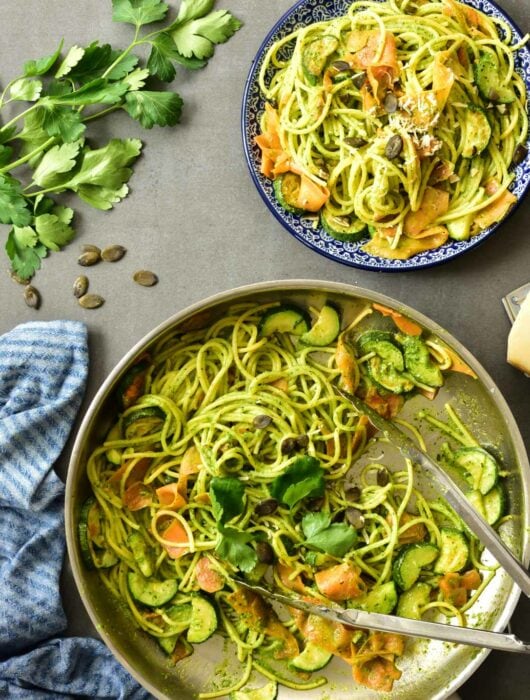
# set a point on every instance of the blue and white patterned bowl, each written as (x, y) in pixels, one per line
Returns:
(307, 12)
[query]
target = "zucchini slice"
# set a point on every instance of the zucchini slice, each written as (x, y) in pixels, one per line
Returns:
(454, 551)
(113, 454)
(381, 599)
(285, 319)
(266, 692)
(316, 55)
(347, 229)
(478, 131)
(203, 620)
(418, 361)
(411, 601)
(486, 72)
(144, 421)
(287, 191)
(478, 467)
(95, 552)
(325, 329)
(142, 553)
(495, 503)
(312, 658)
(460, 229)
(410, 561)
(149, 591)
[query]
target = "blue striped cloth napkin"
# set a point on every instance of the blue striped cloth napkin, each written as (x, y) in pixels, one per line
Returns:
(43, 370)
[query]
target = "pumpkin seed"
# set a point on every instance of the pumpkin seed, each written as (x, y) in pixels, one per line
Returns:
(393, 147)
(302, 441)
(288, 445)
(145, 278)
(113, 253)
(90, 257)
(262, 421)
(520, 154)
(359, 79)
(353, 493)
(341, 66)
(265, 552)
(355, 517)
(91, 301)
(32, 297)
(390, 103)
(80, 286)
(89, 248)
(355, 141)
(382, 477)
(266, 507)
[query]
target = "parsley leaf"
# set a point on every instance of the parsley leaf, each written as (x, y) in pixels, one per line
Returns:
(13, 204)
(136, 79)
(107, 166)
(5, 154)
(27, 89)
(227, 498)
(101, 197)
(138, 12)
(95, 92)
(72, 58)
(304, 477)
(59, 159)
(162, 55)
(23, 251)
(333, 538)
(199, 36)
(52, 232)
(234, 547)
(312, 523)
(40, 66)
(62, 122)
(150, 107)
(193, 9)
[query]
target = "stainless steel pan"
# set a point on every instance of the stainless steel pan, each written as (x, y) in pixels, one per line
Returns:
(430, 669)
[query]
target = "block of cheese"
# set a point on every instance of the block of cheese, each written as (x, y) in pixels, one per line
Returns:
(519, 339)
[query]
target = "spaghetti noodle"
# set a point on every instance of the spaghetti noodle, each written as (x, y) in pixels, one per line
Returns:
(232, 455)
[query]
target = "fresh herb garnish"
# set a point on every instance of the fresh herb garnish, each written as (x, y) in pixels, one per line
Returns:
(234, 547)
(66, 94)
(304, 477)
(333, 538)
(226, 494)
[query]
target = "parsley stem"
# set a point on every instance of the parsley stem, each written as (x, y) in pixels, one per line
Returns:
(102, 113)
(19, 116)
(124, 53)
(28, 156)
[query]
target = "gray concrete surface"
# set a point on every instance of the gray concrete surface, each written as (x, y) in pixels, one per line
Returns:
(194, 218)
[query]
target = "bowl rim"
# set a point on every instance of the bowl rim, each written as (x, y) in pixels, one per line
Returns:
(289, 287)
(382, 264)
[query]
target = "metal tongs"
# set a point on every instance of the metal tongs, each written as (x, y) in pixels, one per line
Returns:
(449, 490)
(400, 625)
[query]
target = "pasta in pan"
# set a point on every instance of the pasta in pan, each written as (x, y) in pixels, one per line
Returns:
(398, 123)
(232, 455)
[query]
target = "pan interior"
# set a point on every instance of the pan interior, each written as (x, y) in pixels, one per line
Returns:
(430, 669)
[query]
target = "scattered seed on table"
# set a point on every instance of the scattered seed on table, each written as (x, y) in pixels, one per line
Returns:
(113, 253)
(91, 257)
(91, 301)
(89, 248)
(32, 297)
(145, 278)
(80, 286)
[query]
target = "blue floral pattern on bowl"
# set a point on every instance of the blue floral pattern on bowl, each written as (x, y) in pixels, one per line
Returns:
(306, 12)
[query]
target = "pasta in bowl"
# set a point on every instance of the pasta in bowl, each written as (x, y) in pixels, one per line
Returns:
(219, 448)
(389, 135)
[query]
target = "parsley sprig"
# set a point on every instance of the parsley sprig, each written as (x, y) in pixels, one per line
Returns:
(66, 93)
